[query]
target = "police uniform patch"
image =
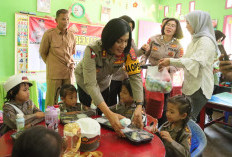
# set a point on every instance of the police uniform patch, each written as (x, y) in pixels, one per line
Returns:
(132, 54)
(104, 54)
(174, 46)
(171, 53)
(155, 48)
(181, 52)
(93, 54)
(119, 59)
(149, 40)
(132, 66)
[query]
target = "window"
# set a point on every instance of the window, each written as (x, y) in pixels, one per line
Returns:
(191, 6)
(166, 9)
(178, 9)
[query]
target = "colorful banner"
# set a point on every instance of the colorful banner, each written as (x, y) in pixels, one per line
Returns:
(84, 33)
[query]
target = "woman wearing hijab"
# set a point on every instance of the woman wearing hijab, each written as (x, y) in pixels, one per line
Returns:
(198, 60)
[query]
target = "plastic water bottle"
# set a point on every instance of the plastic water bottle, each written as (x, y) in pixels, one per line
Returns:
(20, 122)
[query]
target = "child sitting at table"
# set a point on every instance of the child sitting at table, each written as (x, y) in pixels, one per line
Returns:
(18, 102)
(175, 133)
(69, 105)
(38, 141)
(127, 105)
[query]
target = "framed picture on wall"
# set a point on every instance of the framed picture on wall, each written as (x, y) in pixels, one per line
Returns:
(178, 9)
(191, 6)
(228, 4)
(166, 10)
(44, 6)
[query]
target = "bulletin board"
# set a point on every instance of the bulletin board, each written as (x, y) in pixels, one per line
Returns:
(29, 30)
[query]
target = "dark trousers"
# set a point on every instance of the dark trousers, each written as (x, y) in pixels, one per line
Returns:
(115, 89)
(85, 99)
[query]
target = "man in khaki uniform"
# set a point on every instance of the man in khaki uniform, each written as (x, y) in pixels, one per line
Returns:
(56, 49)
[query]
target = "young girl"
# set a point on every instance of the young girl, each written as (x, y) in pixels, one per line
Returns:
(18, 102)
(175, 134)
(69, 105)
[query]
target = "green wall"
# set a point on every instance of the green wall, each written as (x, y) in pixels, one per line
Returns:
(216, 8)
(92, 8)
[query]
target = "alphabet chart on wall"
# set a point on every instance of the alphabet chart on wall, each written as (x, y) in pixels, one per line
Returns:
(21, 43)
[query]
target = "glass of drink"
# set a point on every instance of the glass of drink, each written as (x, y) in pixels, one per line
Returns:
(72, 136)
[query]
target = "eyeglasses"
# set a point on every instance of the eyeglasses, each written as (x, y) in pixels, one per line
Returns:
(171, 25)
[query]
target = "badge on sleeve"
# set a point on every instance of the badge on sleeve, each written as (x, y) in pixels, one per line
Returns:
(155, 48)
(104, 54)
(181, 52)
(174, 46)
(93, 54)
(132, 66)
(149, 40)
(171, 53)
(132, 54)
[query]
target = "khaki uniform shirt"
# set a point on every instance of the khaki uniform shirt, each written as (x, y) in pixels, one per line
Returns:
(93, 73)
(28, 108)
(181, 149)
(159, 50)
(57, 52)
(65, 108)
(124, 110)
(121, 74)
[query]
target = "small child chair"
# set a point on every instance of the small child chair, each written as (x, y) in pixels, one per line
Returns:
(198, 139)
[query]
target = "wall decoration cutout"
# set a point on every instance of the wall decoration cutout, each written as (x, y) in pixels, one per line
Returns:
(166, 10)
(191, 6)
(2, 28)
(228, 4)
(44, 6)
(214, 22)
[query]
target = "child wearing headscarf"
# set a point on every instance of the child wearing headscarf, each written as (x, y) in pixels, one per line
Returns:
(198, 60)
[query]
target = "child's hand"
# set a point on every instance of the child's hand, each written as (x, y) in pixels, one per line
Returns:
(153, 129)
(146, 47)
(39, 114)
(165, 135)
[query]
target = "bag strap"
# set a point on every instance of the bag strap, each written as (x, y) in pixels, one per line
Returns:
(16, 108)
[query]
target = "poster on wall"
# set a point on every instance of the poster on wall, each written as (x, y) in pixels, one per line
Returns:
(21, 45)
(2, 28)
(105, 14)
(84, 34)
(44, 6)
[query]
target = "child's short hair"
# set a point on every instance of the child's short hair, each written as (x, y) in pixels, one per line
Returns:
(67, 89)
(12, 85)
(126, 83)
(38, 141)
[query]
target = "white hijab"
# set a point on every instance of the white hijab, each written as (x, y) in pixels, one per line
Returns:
(201, 22)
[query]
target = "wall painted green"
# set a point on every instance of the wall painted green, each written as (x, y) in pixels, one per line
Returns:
(92, 8)
(216, 8)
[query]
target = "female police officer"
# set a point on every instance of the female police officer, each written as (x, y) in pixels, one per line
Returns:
(103, 58)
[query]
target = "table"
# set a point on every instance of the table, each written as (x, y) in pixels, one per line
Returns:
(219, 101)
(110, 145)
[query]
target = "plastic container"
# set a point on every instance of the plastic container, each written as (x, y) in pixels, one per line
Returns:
(20, 122)
(51, 118)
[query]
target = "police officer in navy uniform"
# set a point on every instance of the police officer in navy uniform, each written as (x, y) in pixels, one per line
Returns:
(104, 58)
